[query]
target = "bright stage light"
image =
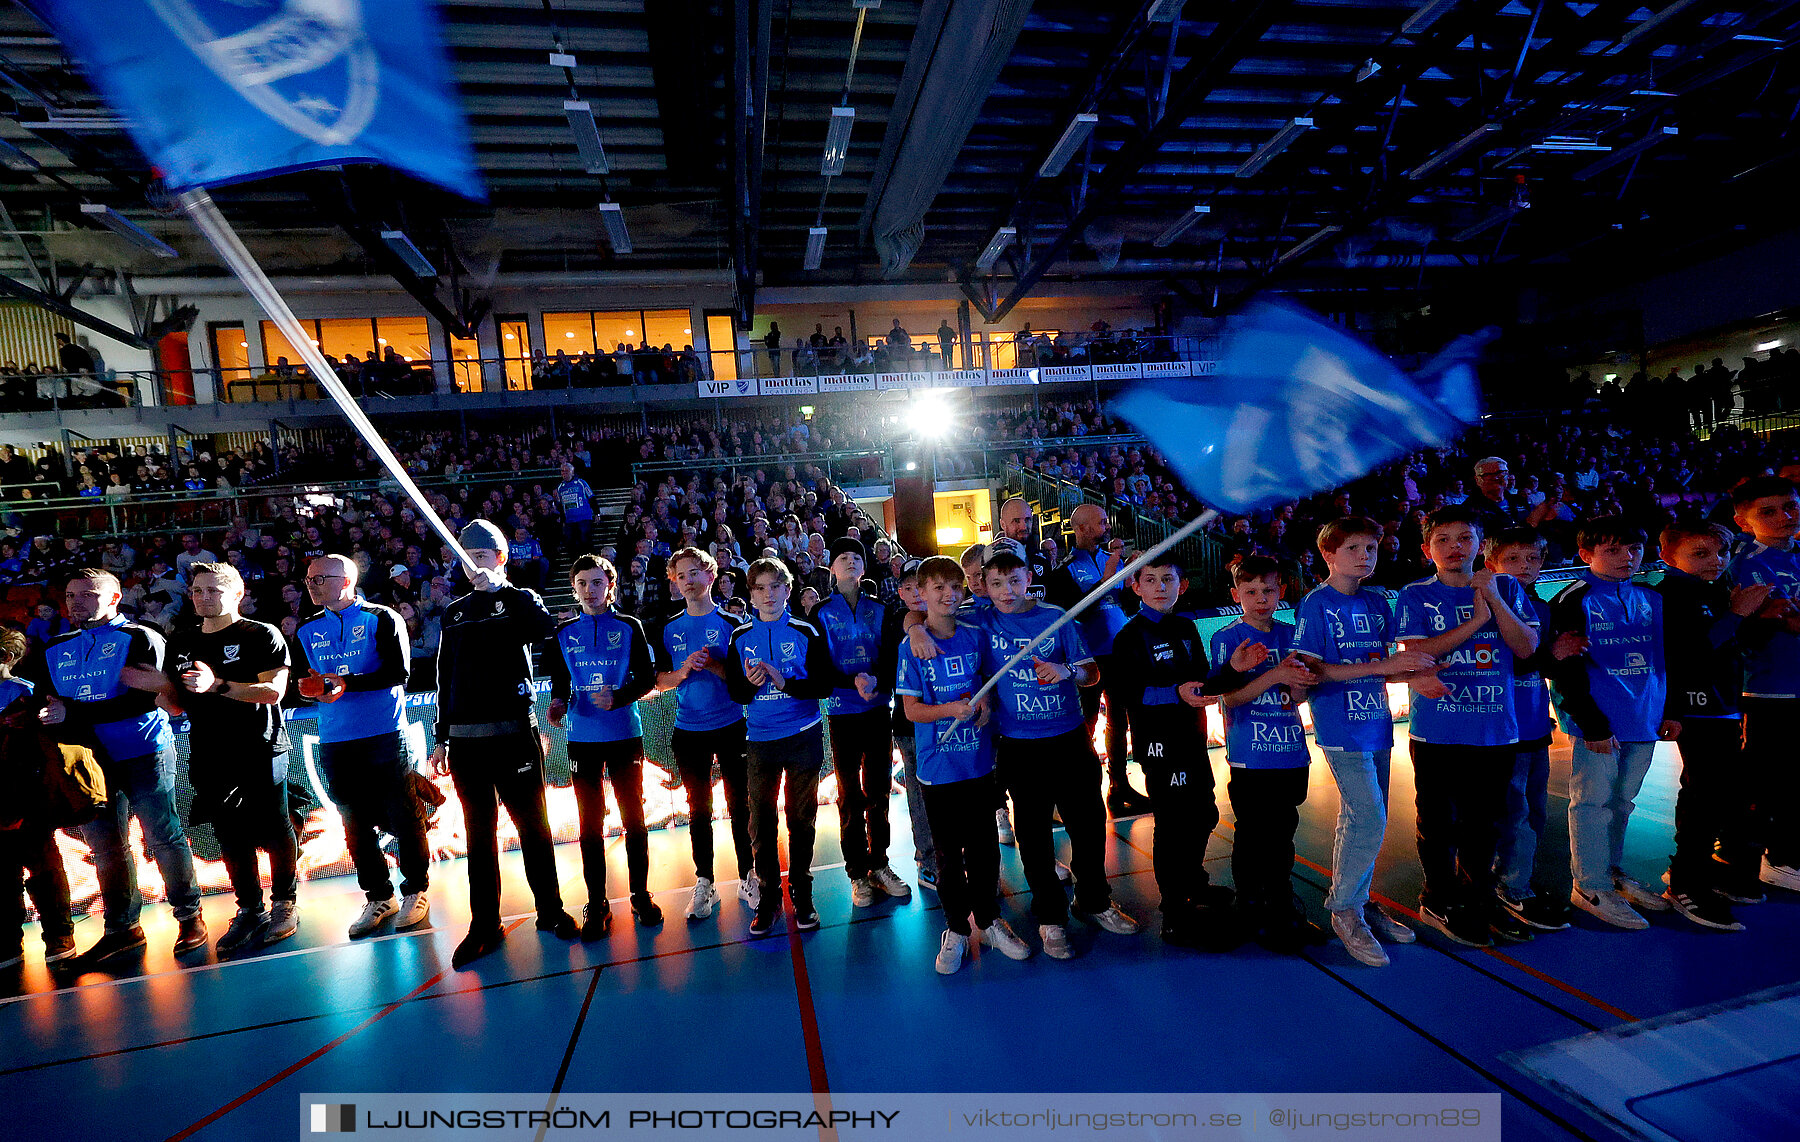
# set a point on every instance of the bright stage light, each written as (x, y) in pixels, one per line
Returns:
(929, 415)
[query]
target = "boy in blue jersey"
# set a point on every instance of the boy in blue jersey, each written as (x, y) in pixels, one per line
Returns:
(1046, 757)
(974, 602)
(956, 772)
(1769, 509)
(576, 499)
(359, 657)
(906, 588)
(30, 846)
(603, 669)
(1265, 746)
(1465, 728)
(1519, 552)
(709, 725)
(1706, 624)
(1611, 700)
(106, 678)
(1343, 630)
(862, 743)
(780, 668)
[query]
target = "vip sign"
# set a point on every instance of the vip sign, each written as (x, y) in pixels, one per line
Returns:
(1203, 368)
(727, 388)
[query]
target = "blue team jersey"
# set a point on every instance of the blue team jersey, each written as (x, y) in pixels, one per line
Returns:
(955, 673)
(1480, 708)
(1626, 673)
(1102, 622)
(1531, 695)
(576, 499)
(12, 689)
(853, 635)
(518, 552)
(1336, 628)
(597, 649)
(703, 702)
(348, 642)
(1265, 733)
(782, 642)
(1772, 670)
(84, 666)
(1023, 707)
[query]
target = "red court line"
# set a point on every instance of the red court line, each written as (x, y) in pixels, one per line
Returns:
(809, 1023)
(294, 1068)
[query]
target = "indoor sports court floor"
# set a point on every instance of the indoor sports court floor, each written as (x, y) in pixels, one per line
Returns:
(223, 1050)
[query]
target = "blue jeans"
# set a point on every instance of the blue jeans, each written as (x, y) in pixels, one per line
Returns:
(1602, 791)
(924, 850)
(1527, 812)
(141, 787)
(1362, 780)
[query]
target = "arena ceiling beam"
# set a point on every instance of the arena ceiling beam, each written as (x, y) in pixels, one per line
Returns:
(61, 308)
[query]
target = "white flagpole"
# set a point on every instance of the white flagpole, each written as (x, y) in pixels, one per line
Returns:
(198, 205)
(1089, 600)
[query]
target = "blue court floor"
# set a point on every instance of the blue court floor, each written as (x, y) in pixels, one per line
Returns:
(222, 1050)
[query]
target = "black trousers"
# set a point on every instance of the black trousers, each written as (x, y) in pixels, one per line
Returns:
(797, 758)
(31, 849)
(1266, 803)
(961, 814)
(367, 779)
(490, 772)
(1118, 720)
(591, 764)
(1047, 775)
(1714, 807)
(862, 756)
(1460, 796)
(263, 822)
(1185, 808)
(695, 752)
(1774, 780)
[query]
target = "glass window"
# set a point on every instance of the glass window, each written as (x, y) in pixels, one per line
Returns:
(408, 336)
(572, 333)
(231, 357)
(276, 346)
(672, 327)
(465, 369)
(343, 337)
(616, 329)
(515, 351)
(721, 338)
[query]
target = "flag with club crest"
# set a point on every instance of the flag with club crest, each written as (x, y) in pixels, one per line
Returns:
(1297, 406)
(220, 91)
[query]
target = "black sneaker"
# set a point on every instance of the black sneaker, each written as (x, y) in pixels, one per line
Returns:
(476, 945)
(113, 944)
(596, 922)
(1508, 927)
(647, 913)
(1707, 909)
(1127, 802)
(764, 921)
(1461, 924)
(559, 924)
(1739, 885)
(806, 918)
(1536, 912)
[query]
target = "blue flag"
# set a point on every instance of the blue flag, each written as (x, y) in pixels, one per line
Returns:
(1299, 407)
(220, 91)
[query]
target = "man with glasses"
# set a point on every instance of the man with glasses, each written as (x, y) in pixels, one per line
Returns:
(1494, 509)
(359, 655)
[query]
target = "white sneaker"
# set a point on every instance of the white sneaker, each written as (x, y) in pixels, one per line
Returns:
(889, 881)
(1608, 906)
(862, 892)
(415, 909)
(1387, 926)
(1353, 931)
(951, 952)
(1056, 941)
(1003, 826)
(1000, 937)
(750, 891)
(371, 917)
(1638, 896)
(1780, 875)
(1115, 921)
(700, 905)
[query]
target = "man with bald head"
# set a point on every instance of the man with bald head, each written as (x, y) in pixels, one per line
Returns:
(359, 654)
(1093, 558)
(1017, 522)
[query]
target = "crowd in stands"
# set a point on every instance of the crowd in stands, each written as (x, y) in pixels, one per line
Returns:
(78, 379)
(628, 364)
(898, 351)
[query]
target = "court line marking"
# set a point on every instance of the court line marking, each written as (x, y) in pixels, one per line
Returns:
(809, 1021)
(294, 1068)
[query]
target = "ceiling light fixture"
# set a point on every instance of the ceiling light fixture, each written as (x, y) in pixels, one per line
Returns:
(837, 140)
(1181, 225)
(127, 229)
(1002, 238)
(1075, 134)
(815, 248)
(1281, 141)
(1453, 150)
(403, 248)
(613, 218)
(587, 135)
